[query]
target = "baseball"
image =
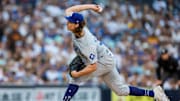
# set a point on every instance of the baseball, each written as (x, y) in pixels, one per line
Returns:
(100, 9)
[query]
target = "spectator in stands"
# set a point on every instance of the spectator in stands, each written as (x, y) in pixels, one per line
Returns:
(29, 78)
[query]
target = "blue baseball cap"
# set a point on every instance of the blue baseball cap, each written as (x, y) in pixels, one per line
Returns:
(75, 18)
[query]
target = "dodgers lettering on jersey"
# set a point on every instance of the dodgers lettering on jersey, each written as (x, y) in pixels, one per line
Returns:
(90, 49)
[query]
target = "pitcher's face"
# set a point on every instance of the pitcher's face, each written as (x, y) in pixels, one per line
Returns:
(72, 26)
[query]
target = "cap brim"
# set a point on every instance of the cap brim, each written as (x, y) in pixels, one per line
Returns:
(68, 18)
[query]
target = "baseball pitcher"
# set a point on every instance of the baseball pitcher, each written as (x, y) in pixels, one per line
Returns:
(95, 59)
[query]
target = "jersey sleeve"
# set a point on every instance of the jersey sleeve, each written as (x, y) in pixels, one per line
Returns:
(91, 54)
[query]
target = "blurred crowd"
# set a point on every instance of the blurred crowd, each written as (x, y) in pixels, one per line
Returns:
(36, 47)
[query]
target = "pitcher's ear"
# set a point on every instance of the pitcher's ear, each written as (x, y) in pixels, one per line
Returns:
(77, 25)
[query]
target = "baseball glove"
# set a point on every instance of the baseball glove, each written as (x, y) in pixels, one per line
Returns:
(76, 64)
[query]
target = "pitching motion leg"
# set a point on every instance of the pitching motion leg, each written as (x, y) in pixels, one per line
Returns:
(70, 92)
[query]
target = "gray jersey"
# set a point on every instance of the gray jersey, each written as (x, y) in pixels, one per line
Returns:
(91, 50)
